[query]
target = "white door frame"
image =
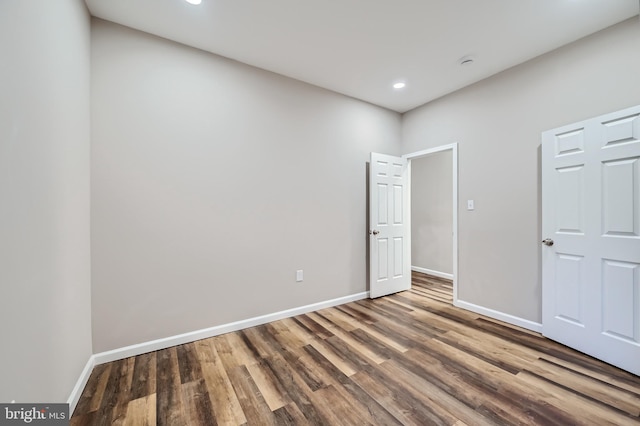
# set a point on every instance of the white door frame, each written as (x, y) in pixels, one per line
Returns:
(424, 153)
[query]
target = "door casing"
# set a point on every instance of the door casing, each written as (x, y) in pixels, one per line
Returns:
(454, 167)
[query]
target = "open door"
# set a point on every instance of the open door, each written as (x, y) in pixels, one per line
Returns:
(591, 231)
(389, 256)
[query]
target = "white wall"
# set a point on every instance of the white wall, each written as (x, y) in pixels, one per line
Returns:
(213, 182)
(44, 198)
(497, 123)
(432, 212)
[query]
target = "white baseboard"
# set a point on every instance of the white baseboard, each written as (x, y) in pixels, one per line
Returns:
(520, 322)
(432, 272)
(167, 342)
(80, 384)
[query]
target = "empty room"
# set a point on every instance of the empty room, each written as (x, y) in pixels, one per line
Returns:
(170, 170)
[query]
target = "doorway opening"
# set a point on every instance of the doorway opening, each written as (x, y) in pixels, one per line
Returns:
(433, 214)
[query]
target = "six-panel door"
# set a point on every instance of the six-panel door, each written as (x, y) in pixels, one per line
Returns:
(591, 209)
(388, 216)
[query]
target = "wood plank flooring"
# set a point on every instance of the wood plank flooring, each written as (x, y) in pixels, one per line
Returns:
(410, 358)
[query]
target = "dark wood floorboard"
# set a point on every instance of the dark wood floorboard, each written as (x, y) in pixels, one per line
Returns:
(406, 359)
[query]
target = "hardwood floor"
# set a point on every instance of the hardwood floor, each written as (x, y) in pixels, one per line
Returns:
(410, 358)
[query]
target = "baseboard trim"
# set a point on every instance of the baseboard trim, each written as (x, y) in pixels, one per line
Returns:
(167, 342)
(80, 384)
(432, 272)
(511, 319)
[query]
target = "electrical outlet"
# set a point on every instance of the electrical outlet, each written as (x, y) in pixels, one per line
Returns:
(299, 275)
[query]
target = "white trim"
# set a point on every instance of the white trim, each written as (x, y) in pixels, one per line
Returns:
(510, 319)
(192, 336)
(432, 272)
(80, 384)
(430, 151)
(454, 163)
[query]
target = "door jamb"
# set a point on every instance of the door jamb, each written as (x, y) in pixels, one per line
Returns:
(454, 151)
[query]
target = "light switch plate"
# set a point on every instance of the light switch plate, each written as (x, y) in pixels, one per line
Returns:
(299, 275)
(470, 205)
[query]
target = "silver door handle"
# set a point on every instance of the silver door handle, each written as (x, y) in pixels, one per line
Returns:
(374, 232)
(547, 242)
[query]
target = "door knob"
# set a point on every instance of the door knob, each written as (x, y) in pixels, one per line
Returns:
(374, 232)
(547, 242)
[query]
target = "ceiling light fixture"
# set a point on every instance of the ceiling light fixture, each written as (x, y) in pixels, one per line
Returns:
(194, 1)
(399, 85)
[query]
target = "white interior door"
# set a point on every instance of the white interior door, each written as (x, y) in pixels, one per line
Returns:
(591, 211)
(389, 257)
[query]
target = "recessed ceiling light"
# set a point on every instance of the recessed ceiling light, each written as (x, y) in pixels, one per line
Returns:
(194, 1)
(399, 85)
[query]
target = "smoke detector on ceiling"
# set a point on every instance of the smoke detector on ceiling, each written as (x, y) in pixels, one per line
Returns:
(465, 61)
